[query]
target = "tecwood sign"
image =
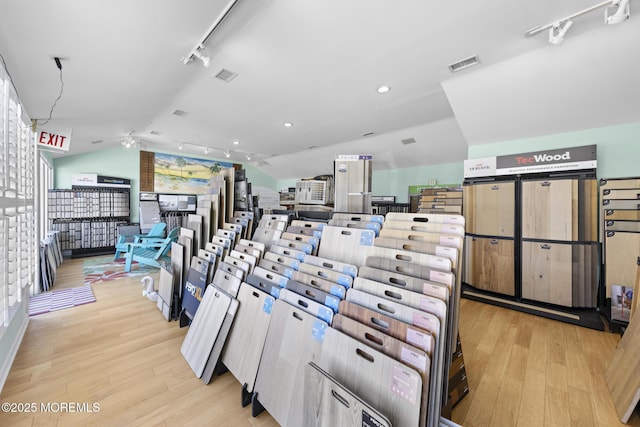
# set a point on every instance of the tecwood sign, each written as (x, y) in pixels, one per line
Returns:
(565, 159)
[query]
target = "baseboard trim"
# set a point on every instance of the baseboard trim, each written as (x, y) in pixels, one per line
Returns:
(13, 351)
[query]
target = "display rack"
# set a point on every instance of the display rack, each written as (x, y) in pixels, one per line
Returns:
(88, 218)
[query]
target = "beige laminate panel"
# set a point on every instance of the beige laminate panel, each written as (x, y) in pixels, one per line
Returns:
(490, 208)
(547, 272)
(490, 264)
(621, 254)
(619, 184)
(633, 226)
(621, 215)
(547, 209)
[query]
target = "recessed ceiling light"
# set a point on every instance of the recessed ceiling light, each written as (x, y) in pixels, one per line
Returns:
(383, 89)
(236, 142)
(287, 124)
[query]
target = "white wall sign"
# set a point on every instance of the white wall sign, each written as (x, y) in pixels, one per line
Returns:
(54, 138)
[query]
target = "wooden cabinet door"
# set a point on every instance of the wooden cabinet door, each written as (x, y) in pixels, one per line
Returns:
(490, 264)
(489, 209)
(147, 171)
(547, 272)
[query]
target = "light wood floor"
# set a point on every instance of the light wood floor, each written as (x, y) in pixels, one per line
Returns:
(121, 354)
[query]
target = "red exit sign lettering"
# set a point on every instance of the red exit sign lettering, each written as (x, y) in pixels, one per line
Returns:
(54, 139)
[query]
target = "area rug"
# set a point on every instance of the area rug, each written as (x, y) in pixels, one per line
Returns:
(58, 300)
(104, 268)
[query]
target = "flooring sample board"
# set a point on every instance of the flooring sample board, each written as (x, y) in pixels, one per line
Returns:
(325, 273)
(314, 225)
(243, 256)
(422, 247)
(621, 252)
(307, 304)
(358, 217)
(229, 180)
(264, 285)
(490, 264)
(266, 236)
(228, 278)
(293, 253)
(619, 183)
(224, 242)
(375, 226)
(282, 259)
(256, 253)
(632, 226)
(429, 227)
(432, 261)
(236, 262)
(311, 232)
(246, 340)
(327, 403)
(422, 218)
(227, 234)
(248, 216)
(273, 218)
(388, 385)
(403, 331)
(343, 244)
(312, 240)
(221, 340)
(418, 236)
(392, 347)
(253, 244)
(219, 250)
(205, 214)
(338, 266)
(546, 272)
(297, 245)
(623, 373)
(212, 259)
(244, 223)
(270, 276)
(630, 194)
(202, 334)
(294, 339)
(314, 294)
(218, 188)
(187, 244)
(194, 288)
(177, 261)
(276, 267)
(236, 228)
(621, 204)
(489, 208)
(408, 268)
(320, 284)
(194, 222)
(276, 225)
(166, 292)
(441, 291)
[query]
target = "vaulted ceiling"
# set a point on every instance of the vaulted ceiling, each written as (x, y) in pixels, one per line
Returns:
(317, 64)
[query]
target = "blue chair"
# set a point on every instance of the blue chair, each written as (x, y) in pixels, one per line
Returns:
(150, 253)
(156, 233)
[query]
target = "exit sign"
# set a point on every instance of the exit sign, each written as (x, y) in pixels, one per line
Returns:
(54, 138)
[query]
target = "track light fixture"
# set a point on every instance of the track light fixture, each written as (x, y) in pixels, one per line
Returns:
(558, 30)
(616, 11)
(128, 141)
(201, 54)
(227, 154)
(248, 157)
(181, 146)
(206, 150)
(199, 51)
(621, 12)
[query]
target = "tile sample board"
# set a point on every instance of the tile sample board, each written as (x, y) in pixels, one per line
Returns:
(221, 340)
(327, 403)
(204, 329)
(388, 385)
(623, 373)
(246, 340)
(294, 339)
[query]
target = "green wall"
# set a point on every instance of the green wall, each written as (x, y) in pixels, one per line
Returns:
(618, 147)
(124, 162)
(396, 182)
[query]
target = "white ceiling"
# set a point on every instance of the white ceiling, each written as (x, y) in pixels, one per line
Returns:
(317, 63)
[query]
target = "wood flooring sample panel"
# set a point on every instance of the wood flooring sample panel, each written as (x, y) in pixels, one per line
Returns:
(547, 272)
(246, 340)
(293, 340)
(388, 385)
(490, 264)
(327, 403)
(425, 217)
(490, 208)
(623, 373)
(621, 253)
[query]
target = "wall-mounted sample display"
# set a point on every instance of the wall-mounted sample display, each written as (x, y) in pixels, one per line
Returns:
(490, 208)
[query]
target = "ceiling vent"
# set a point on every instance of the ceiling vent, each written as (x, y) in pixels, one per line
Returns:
(155, 132)
(464, 63)
(368, 134)
(98, 141)
(226, 75)
(180, 113)
(408, 141)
